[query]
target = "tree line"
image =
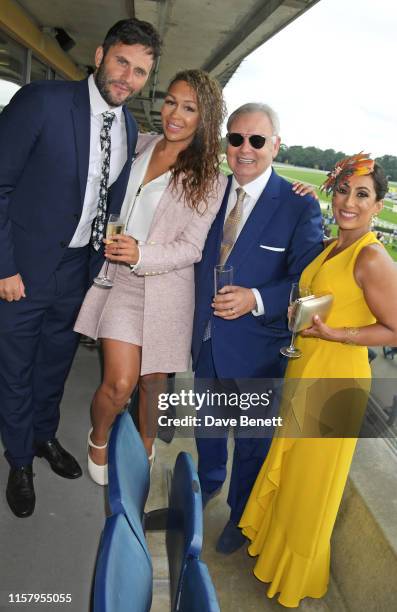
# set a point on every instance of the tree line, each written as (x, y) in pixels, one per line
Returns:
(313, 157)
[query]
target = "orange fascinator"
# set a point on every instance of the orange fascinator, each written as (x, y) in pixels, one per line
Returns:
(360, 164)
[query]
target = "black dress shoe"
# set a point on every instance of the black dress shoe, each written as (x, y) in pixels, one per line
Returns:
(61, 462)
(231, 539)
(20, 492)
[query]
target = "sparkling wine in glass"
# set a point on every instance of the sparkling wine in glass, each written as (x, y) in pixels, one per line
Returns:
(114, 226)
(297, 291)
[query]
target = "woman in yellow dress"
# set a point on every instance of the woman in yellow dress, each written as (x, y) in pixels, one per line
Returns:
(292, 509)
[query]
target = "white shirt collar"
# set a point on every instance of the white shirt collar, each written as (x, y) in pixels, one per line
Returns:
(255, 187)
(98, 104)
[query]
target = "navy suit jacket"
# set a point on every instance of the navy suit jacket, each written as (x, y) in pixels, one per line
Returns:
(248, 347)
(44, 156)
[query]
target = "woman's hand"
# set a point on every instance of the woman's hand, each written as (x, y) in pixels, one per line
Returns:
(122, 249)
(302, 189)
(320, 330)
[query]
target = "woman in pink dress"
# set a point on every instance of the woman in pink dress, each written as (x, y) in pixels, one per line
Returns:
(145, 319)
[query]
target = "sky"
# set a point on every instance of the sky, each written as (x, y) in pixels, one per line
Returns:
(7, 90)
(331, 75)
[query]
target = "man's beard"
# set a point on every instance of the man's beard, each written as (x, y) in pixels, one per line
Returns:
(102, 82)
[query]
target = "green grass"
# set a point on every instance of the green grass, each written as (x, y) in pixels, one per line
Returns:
(314, 178)
(297, 174)
(387, 215)
(392, 251)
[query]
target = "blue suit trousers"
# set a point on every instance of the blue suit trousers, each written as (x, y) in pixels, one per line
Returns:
(36, 354)
(249, 453)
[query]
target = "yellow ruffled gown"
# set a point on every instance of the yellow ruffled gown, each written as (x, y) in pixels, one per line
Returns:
(292, 509)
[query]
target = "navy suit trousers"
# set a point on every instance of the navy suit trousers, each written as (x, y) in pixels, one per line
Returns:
(36, 355)
(249, 453)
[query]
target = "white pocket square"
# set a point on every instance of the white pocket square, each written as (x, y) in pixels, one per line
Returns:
(270, 248)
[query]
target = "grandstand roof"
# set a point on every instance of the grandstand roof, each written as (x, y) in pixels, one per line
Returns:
(215, 35)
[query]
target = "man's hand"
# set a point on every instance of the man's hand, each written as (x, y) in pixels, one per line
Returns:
(12, 288)
(122, 249)
(231, 302)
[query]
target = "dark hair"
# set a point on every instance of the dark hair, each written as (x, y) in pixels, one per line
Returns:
(133, 32)
(198, 164)
(380, 181)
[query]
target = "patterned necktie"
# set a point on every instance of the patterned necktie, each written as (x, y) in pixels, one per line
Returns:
(99, 221)
(231, 226)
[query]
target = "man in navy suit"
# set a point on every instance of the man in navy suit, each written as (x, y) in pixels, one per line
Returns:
(66, 150)
(268, 234)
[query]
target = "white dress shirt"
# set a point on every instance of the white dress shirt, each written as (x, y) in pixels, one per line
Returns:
(253, 191)
(118, 157)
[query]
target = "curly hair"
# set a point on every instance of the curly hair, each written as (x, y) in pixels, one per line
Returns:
(198, 164)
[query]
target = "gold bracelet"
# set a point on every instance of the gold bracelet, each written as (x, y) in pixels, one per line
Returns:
(351, 335)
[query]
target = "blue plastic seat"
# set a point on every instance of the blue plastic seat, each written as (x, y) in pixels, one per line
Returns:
(198, 592)
(129, 474)
(185, 523)
(124, 575)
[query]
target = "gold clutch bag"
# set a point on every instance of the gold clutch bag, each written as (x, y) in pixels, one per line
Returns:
(305, 308)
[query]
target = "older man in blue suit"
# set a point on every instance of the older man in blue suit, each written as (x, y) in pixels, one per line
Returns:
(268, 234)
(64, 148)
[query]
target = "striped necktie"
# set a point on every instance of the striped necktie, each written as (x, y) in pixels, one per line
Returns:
(231, 226)
(98, 227)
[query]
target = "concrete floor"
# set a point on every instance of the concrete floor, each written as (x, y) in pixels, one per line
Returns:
(54, 551)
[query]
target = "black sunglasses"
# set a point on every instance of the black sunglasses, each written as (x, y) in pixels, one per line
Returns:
(255, 140)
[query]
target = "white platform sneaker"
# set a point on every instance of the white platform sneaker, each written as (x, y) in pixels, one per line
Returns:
(98, 473)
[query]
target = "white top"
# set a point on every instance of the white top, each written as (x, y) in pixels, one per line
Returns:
(140, 202)
(253, 191)
(118, 157)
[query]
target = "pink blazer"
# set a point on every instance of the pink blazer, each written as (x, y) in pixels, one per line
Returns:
(175, 243)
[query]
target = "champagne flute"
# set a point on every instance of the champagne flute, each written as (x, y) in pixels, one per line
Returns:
(114, 226)
(223, 275)
(297, 291)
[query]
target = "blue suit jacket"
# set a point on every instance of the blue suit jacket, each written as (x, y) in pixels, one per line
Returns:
(249, 346)
(44, 156)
